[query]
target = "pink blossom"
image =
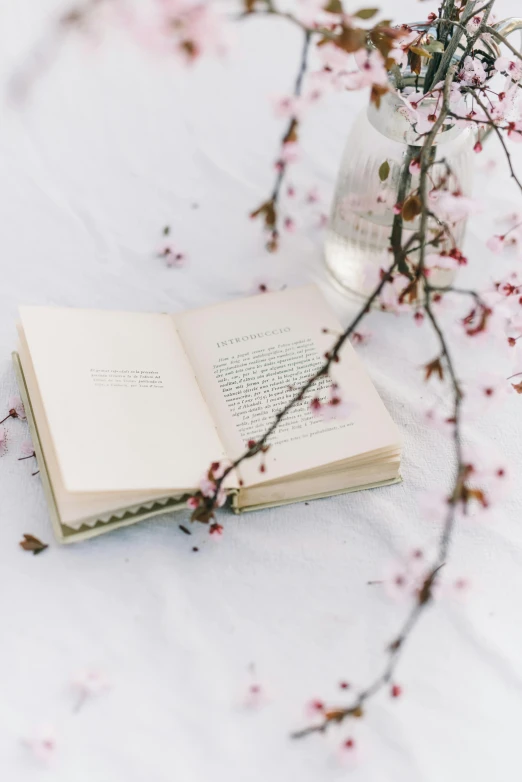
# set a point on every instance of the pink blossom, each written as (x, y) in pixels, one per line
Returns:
(421, 110)
(208, 489)
(488, 472)
(42, 744)
(399, 582)
(193, 28)
(315, 708)
(459, 589)
(371, 71)
(216, 530)
(16, 408)
(172, 257)
(495, 244)
(452, 207)
(193, 503)
(334, 407)
(312, 13)
(219, 468)
(512, 68)
(360, 337)
(349, 754)
(433, 505)
(482, 391)
(516, 361)
(289, 224)
(515, 131)
(255, 696)
(88, 683)
(473, 73)
(509, 287)
(333, 58)
(290, 152)
(501, 64)
(439, 420)
(313, 197)
(322, 221)
(415, 166)
(490, 166)
(492, 331)
(399, 53)
(474, 23)
(330, 412)
(504, 107)
(385, 199)
(289, 106)
(26, 449)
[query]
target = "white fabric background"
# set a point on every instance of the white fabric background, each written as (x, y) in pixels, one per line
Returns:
(112, 145)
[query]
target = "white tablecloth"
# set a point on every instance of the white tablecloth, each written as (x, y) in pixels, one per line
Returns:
(112, 145)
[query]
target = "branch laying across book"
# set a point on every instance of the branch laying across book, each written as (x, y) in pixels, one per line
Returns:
(128, 410)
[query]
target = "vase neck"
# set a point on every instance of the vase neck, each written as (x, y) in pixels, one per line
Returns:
(391, 119)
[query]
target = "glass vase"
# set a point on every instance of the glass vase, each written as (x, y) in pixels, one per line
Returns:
(357, 244)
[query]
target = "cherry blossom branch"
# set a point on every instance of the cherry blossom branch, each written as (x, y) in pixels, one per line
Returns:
(269, 209)
(355, 709)
(270, 9)
(204, 510)
(486, 10)
(416, 274)
(39, 60)
(450, 50)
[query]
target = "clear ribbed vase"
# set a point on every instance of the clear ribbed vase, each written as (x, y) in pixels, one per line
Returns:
(357, 242)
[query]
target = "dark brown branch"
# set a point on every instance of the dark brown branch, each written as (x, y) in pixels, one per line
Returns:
(451, 49)
(333, 355)
(293, 121)
(424, 596)
(268, 211)
(41, 57)
(480, 30)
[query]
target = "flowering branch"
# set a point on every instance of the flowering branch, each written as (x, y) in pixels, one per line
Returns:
(355, 709)
(203, 508)
(416, 274)
(497, 130)
(269, 209)
(447, 72)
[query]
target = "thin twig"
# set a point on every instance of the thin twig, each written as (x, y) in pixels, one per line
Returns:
(499, 136)
(502, 39)
(298, 85)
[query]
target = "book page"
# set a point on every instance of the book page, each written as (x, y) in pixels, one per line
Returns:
(251, 355)
(122, 405)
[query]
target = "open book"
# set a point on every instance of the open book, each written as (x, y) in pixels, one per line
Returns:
(128, 410)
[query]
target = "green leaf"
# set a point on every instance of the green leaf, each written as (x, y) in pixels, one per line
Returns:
(420, 51)
(334, 7)
(434, 47)
(384, 171)
(366, 13)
